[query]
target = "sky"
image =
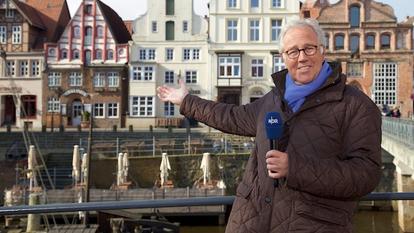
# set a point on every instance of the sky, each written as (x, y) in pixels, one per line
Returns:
(131, 9)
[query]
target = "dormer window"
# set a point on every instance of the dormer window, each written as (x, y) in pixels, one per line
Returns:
(88, 9)
(9, 13)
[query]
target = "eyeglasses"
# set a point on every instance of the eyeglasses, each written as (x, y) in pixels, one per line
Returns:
(309, 50)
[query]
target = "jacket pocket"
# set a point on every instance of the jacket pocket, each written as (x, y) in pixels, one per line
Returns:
(321, 213)
(244, 190)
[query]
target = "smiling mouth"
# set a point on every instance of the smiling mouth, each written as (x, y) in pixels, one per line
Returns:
(304, 67)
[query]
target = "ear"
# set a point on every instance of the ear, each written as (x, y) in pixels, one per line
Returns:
(322, 50)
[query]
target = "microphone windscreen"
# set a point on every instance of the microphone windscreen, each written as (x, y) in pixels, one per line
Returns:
(273, 125)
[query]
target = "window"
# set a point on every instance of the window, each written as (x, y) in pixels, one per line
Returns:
(254, 30)
(277, 3)
(185, 26)
(276, 28)
(169, 7)
(232, 30)
(99, 110)
(88, 9)
(99, 79)
(229, 67)
(354, 16)
(339, 42)
(169, 30)
(191, 54)
(75, 79)
(76, 54)
(9, 13)
(112, 110)
(64, 54)
(257, 68)
(76, 32)
(113, 79)
(17, 34)
(370, 42)
(142, 106)
(154, 27)
(54, 79)
(385, 41)
(168, 109)
(35, 71)
(327, 41)
(147, 54)
(98, 54)
(24, 68)
(88, 57)
(11, 68)
(3, 34)
(53, 104)
(354, 43)
(110, 54)
(278, 64)
(232, 3)
(169, 77)
(354, 69)
(169, 54)
(51, 52)
(142, 73)
(385, 83)
(191, 77)
(88, 35)
(99, 31)
(254, 3)
(28, 107)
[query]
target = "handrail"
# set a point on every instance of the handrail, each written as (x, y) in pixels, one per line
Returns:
(196, 201)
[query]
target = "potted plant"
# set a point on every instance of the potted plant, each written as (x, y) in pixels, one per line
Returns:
(85, 119)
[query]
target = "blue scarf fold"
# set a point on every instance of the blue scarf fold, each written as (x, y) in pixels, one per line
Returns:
(295, 94)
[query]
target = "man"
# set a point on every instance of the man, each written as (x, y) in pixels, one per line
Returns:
(330, 151)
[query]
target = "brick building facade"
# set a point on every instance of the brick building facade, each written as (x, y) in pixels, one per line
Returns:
(375, 50)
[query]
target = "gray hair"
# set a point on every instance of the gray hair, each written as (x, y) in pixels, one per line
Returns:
(311, 23)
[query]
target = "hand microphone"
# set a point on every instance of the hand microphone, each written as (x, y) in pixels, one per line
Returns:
(274, 131)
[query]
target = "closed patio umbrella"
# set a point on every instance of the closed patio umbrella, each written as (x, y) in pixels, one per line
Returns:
(205, 166)
(164, 167)
(76, 164)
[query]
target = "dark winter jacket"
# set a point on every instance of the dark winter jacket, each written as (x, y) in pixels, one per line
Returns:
(333, 144)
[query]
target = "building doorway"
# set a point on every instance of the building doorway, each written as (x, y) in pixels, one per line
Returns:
(77, 108)
(9, 110)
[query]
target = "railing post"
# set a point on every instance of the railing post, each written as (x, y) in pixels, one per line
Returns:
(153, 146)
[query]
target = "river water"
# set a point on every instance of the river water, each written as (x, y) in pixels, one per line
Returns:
(364, 222)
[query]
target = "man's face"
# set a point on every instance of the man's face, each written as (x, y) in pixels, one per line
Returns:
(304, 68)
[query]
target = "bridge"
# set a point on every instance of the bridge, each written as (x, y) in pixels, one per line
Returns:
(398, 140)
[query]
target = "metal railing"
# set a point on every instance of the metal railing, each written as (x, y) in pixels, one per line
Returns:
(181, 202)
(401, 130)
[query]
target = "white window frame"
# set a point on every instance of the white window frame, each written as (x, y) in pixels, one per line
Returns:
(112, 110)
(75, 79)
(16, 34)
(169, 76)
(142, 73)
(278, 63)
(76, 32)
(191, 54)
(142, 106)
(232, 4)
(100, 31)
(154, 26)
(258, 4)
(53, 104)
(3, 35)
(54, 79)
(24, 68)
(277, 3)
(110, 54)
(232, 62)
(385, 86)
(98, 54)
(169, 109)
(191, 76)
(254, 30)
(99, 79)
(169, 54)
(257, 66)
(11, 68)
(35, 68)
(185, 26)
(98, 110)
(147, 54)
(276, 27)
(113, 79)
(232, 29)
(354, 69)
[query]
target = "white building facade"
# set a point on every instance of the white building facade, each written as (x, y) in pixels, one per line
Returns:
(168, 42)
(244, 46)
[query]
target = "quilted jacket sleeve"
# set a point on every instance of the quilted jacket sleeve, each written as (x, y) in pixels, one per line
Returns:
(350, 178)
(229, 118)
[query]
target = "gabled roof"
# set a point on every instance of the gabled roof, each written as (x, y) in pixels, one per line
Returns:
(115, 23)
(29, 13)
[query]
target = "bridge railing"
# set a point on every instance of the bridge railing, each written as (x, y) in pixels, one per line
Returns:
(401, 130)
(181, 202)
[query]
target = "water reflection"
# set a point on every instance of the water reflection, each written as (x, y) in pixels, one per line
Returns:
(364, 222)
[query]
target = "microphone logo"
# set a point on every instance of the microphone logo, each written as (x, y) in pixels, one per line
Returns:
(273, 121)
